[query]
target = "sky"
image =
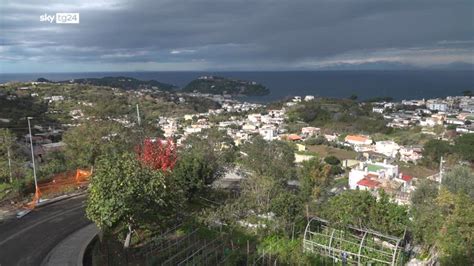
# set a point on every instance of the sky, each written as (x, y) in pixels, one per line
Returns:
(228, 35)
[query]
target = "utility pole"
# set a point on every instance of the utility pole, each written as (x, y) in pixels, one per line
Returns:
(441, 161)
(138, 116)
(32, 154)
(10, 164)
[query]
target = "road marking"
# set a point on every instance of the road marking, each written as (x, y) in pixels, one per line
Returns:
(37, 223)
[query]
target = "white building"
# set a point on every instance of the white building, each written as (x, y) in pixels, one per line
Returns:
(191, 130)
(268, 133)
(371, 175)
(436, 105)
(331, 137)
(410, 154)
(189, 117)
(387, 148)
(378, 109)
(249, 127)
(308, 98)
(310, 131)
(297, 99)
(254, 118)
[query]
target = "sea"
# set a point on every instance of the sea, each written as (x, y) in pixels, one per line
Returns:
(366, 84)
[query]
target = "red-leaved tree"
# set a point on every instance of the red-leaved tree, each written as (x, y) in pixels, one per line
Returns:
(158, 154)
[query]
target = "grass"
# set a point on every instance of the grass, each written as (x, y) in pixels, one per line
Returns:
(324, 151)
(418, 171)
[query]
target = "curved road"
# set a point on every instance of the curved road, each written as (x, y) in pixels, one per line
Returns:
(27, 241)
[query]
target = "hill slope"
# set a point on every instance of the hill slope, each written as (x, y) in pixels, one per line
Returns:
(125, 83)
(220, 85)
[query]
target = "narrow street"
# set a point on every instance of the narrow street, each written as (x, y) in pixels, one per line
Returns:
(28, 240)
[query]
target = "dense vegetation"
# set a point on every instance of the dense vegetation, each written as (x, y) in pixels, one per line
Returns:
(461, 149)
(126, 83)
(442, 218)
(220, 85)
(98, 101)
(340, 115)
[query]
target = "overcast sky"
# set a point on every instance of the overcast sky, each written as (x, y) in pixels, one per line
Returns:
(118, 35)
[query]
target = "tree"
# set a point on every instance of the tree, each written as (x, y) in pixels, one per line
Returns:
(455, 239)
(202, 159)
(157, 154)
(215, 143)
(425, 192)
(125, 195)
(361, 209)
(464, 146)
(54, 163)
(194, 170)
(349, 208)
(444, 221)
(288, 207)
(7, 141)
(332, 160)
(314, 178)
(258, 192)
(87, 142)
(467, 93)
(320, 140)
(353, 97)
(434, 149)
(427, 219)
(387, 216)
(274, 159)
(460, 179)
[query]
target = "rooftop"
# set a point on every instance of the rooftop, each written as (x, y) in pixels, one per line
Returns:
(407, 178)
(356, 138)
(374, 167)
(367, 182)
(294, 137)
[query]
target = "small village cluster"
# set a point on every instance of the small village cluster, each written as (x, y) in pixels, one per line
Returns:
(455, 111)
(364, 174)
(374, 168)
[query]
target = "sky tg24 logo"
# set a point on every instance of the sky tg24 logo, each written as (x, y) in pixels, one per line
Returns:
(61, 18)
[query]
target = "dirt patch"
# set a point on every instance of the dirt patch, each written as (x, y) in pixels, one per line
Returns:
(417, 171)
(323, 151)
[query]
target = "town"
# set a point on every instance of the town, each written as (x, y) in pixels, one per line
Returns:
(382, 147)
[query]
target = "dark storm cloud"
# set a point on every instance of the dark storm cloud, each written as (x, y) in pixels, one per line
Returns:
(239, 34)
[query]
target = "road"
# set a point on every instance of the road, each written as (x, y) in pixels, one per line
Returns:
(28, 240)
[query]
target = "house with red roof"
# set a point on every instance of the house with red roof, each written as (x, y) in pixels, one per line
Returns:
(368, 183)
(358, 140)
(405, 179)
(294, 137)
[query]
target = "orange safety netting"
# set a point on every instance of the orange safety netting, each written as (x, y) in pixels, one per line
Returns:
(61, 182)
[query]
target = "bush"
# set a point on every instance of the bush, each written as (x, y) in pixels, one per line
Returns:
(316, 141)
(332, 160)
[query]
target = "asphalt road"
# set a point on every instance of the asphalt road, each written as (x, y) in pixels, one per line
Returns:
(28, 240)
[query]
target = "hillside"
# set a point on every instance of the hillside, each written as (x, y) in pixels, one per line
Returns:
(221, 85)
(126, 83)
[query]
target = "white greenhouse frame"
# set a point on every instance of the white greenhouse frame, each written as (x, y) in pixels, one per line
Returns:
(358, 246)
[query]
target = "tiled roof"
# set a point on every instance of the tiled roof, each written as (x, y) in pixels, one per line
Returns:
(294, 137)
(356, 138)
(407, 178)
(367, 182)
